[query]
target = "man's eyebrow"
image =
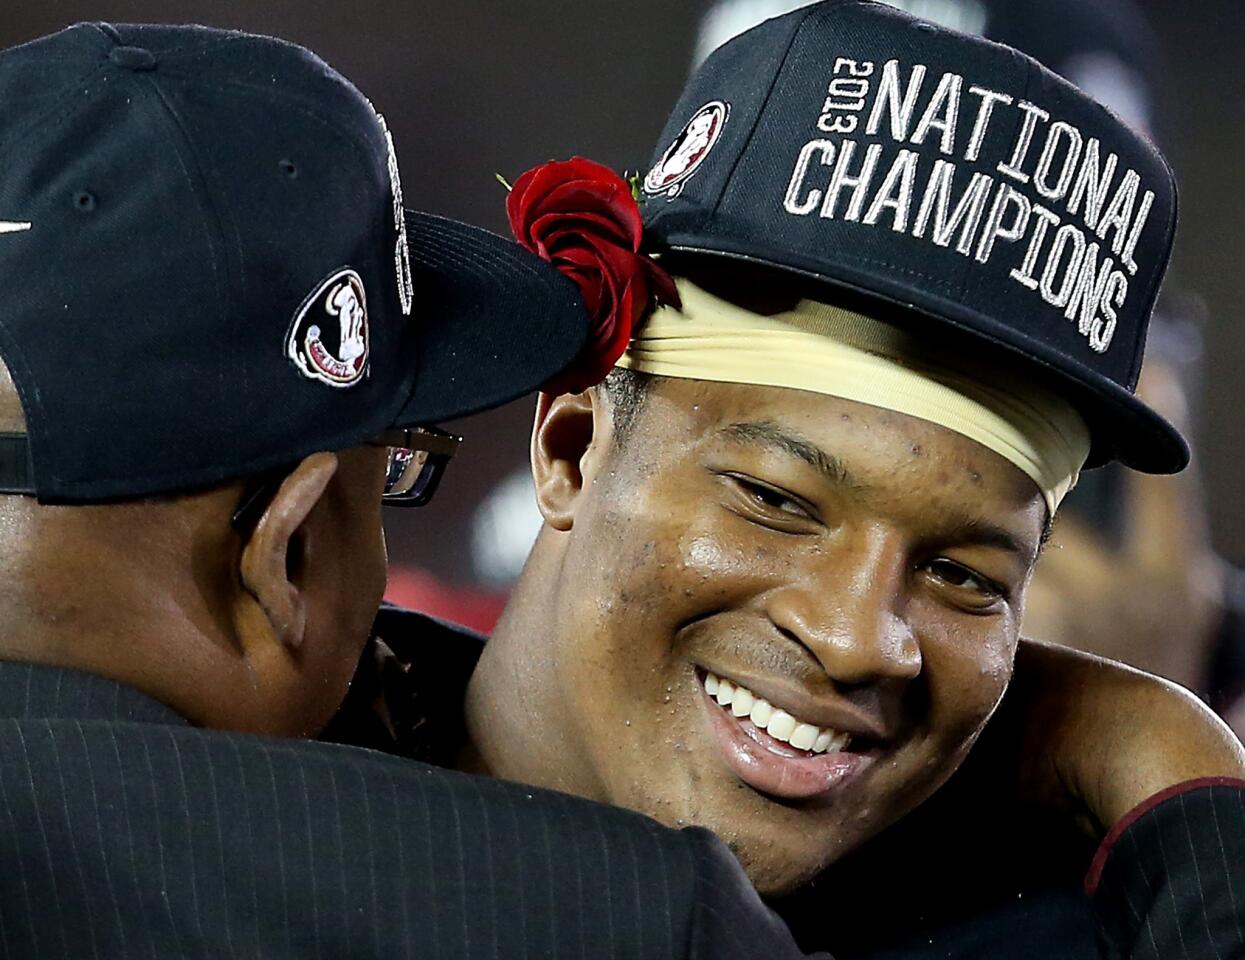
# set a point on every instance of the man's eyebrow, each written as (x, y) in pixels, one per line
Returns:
(769, 434)
(960, 528)
(964, 529)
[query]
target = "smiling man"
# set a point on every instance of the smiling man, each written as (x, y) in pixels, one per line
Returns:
(774, 609)
(786, 546)
(822, 597)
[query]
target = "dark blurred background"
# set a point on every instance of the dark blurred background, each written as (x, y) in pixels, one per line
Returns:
(475, 88)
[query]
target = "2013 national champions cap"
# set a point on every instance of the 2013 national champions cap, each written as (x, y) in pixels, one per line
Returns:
(208, 269)
(935, 172)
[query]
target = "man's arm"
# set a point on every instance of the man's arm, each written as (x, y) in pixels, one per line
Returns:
(994, 863)
(1145, 763)
(1095, 738)
(1168, 882)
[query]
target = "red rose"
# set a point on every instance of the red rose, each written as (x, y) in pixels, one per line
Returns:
(582, 218)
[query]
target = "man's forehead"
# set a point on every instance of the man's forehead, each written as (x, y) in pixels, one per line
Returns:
(852, 444)
(767, 433)
(784, 335)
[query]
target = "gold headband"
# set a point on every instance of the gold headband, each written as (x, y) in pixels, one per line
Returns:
(829, 350)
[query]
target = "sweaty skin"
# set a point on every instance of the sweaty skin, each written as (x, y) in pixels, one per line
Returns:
(862, 569)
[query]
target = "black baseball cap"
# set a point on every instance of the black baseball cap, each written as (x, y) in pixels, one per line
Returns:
(209, 271)
(952, 179)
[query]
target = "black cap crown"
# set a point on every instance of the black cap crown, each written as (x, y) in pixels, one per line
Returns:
(209, 271)
(952, 176)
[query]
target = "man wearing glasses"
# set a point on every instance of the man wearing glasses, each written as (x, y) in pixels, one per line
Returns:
(222, 346)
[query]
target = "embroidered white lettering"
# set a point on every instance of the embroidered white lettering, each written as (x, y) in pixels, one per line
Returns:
(888, 100)
(1045, 220)
(1024, 140)
(841, 179)
(1059, 130)
(988, 100)
(942, 113)
(994, 230)
(792, 202)
(896, 192)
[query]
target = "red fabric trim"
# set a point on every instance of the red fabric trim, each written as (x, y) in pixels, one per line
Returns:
(1099, 863)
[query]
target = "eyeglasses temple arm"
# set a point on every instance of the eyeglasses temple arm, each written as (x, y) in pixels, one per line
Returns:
(17, 472)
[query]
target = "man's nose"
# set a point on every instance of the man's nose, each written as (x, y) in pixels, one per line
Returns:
(848, 610)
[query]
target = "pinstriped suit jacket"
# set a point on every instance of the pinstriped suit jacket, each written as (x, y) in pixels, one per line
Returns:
(125, 832)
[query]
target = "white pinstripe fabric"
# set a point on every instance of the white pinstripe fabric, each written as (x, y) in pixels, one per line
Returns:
(1173, 885)
(125, 833)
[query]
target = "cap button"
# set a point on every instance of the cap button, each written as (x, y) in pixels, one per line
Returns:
(133, 58)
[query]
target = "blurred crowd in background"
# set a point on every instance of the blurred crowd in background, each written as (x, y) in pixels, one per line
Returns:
(1144, 569)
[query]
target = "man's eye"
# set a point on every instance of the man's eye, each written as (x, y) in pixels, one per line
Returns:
(962, 578)
(770, 500)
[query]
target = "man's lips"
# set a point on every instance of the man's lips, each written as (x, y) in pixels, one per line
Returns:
(816, 763)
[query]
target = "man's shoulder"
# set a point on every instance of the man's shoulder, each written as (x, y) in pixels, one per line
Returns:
(408, 691)
(123, 827)
(271, 833)
(404, 626)
(438, 655)
(182, 760)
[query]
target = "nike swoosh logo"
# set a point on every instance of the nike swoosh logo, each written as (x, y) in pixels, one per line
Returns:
(13, 226)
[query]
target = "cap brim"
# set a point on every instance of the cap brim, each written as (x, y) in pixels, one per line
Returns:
(495, 322)
(1121, 426)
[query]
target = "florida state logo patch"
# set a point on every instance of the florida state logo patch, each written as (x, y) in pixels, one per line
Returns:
(689, 150)
(328, 340)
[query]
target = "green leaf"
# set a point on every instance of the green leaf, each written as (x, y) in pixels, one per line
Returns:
(637, 194)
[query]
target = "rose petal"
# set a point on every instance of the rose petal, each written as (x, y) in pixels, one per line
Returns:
(547, 227)
(582, 218)
(572, 185)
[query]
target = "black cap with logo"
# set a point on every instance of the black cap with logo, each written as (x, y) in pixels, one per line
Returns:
(944, 174)
(209, 271)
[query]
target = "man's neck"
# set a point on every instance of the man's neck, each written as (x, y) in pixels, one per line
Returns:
(513, 711)
(165, 667)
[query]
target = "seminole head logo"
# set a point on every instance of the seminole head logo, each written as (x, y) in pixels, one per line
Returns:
(688, 151)
(328, 340)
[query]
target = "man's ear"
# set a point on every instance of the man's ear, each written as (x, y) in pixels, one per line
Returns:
(273, 557)
(570, 435)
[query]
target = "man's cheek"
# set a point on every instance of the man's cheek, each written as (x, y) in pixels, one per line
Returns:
(660, 564)
(966, 682)
(723, 561)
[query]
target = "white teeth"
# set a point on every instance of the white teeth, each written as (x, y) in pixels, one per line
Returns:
(779, 724)
(804, 736)
(761, 712)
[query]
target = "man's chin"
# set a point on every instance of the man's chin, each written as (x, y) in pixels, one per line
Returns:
(780, 846)
(778, 871)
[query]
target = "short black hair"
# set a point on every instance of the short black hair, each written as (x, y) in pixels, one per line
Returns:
(626, 391)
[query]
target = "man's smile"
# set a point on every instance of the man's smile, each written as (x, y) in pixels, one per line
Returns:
(773, 749)
(777, 722)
